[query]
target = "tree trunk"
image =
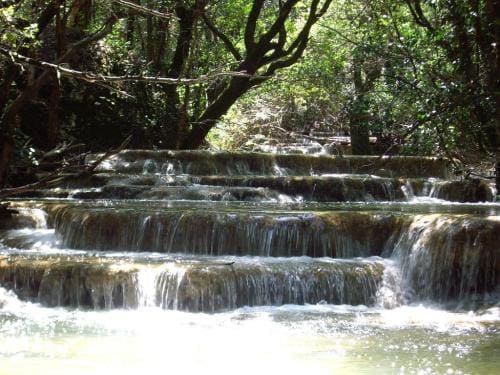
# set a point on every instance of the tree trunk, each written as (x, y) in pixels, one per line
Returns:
(358, 127)
(9, 122)
(200, 129)
(11, 73)
(170, 132)
(497, 172)
(493, 16)
(197, 135)
(360, 141)
(7, 148)
(53, 113)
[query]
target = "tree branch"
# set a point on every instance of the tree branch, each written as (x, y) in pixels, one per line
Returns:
(105, 30)
(229, 45)
(418, 14)
(313, 17)
(186, 19)
(144, 10)
(296, 49)
(63, 173)
(252, 24)
(278, 24)
(96, 78)
(46, 17)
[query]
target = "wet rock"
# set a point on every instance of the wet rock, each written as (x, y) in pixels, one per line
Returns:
(450, 259)
(201, 286)
(318, 188)
(7, 217)
(239, 163)
(14, 218)
(335, 234)
(469, 190)
(122, 191)
(78, 282)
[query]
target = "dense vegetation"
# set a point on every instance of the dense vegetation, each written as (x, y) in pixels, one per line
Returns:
(420, 75)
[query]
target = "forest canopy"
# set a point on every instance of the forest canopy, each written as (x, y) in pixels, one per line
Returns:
(422, 76)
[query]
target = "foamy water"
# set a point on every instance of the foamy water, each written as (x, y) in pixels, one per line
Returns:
(319, 339)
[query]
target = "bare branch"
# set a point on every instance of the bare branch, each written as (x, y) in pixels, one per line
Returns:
(314, 16)
(418, 14)
(282, 35)
(144, 10)
(105, 30)
(91, 168)
(278, 24)
(64, 173)
(97, 78)
(296, 49)
(187, 17)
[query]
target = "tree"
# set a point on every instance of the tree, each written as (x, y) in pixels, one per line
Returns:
(468, 32)
(363, 74)
(172, 44)
(21, 34)
(266, 47)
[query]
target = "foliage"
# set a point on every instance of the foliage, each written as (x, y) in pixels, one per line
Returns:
(423, 81)
(420, 75)
(48, 47)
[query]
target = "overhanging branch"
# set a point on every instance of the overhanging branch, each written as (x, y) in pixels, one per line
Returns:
(287, 57)
(98, 78)
(144, 10)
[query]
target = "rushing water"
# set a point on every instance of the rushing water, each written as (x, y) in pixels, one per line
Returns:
(322, 339)
(224, 263)
(387, 337)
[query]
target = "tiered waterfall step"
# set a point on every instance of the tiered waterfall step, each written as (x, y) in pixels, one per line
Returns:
(221, 230)
(441, 257)
(325, 188)
(194, 284)
(224, 176)
(205, 231)
(203, 163)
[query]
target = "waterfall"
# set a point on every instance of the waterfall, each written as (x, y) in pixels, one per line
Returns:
(450, 259)
(205, 231)
(207, 286)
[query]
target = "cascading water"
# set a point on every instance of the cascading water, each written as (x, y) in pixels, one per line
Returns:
(301, 262)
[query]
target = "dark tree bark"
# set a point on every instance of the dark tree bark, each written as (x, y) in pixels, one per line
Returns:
(10, 74)
(358, 128)
(364, 76)
(54, 95)
(175, 123)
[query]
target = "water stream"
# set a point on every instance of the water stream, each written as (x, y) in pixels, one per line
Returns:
(222, 263)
